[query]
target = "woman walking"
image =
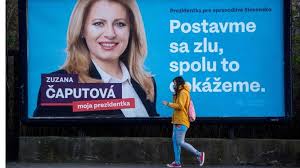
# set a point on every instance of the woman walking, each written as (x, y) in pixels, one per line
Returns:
(180, 121)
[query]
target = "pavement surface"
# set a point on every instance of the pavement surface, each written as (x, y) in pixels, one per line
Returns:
(99, 165)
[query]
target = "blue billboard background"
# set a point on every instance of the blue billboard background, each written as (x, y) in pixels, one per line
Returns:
(246, 81)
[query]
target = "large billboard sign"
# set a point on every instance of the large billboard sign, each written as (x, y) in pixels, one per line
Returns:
(96, 59)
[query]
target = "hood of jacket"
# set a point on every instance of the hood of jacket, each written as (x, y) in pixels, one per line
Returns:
(186, 87)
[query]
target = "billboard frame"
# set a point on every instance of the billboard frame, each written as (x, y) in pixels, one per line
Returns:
(23, 85)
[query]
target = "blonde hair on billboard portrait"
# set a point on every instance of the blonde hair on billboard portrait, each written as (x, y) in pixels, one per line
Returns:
(78, 54)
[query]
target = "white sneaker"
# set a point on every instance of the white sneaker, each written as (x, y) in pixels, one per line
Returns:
(201, 158)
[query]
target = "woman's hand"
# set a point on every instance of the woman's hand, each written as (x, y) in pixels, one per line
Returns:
(165, 103)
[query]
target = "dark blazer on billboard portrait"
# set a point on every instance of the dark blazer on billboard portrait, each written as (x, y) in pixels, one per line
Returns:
(66, 111)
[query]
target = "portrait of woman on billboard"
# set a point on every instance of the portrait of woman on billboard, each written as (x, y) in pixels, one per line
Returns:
(106, 43)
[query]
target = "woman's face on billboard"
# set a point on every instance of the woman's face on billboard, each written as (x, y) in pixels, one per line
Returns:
(106, 30)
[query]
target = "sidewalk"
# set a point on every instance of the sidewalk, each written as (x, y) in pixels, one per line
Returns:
(99, 165)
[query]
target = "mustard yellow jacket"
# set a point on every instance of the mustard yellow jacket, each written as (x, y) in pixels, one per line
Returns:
(180, 105)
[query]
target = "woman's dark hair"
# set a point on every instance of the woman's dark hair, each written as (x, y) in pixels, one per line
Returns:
(179, 82)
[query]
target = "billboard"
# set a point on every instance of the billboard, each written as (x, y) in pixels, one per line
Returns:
(118, 59)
